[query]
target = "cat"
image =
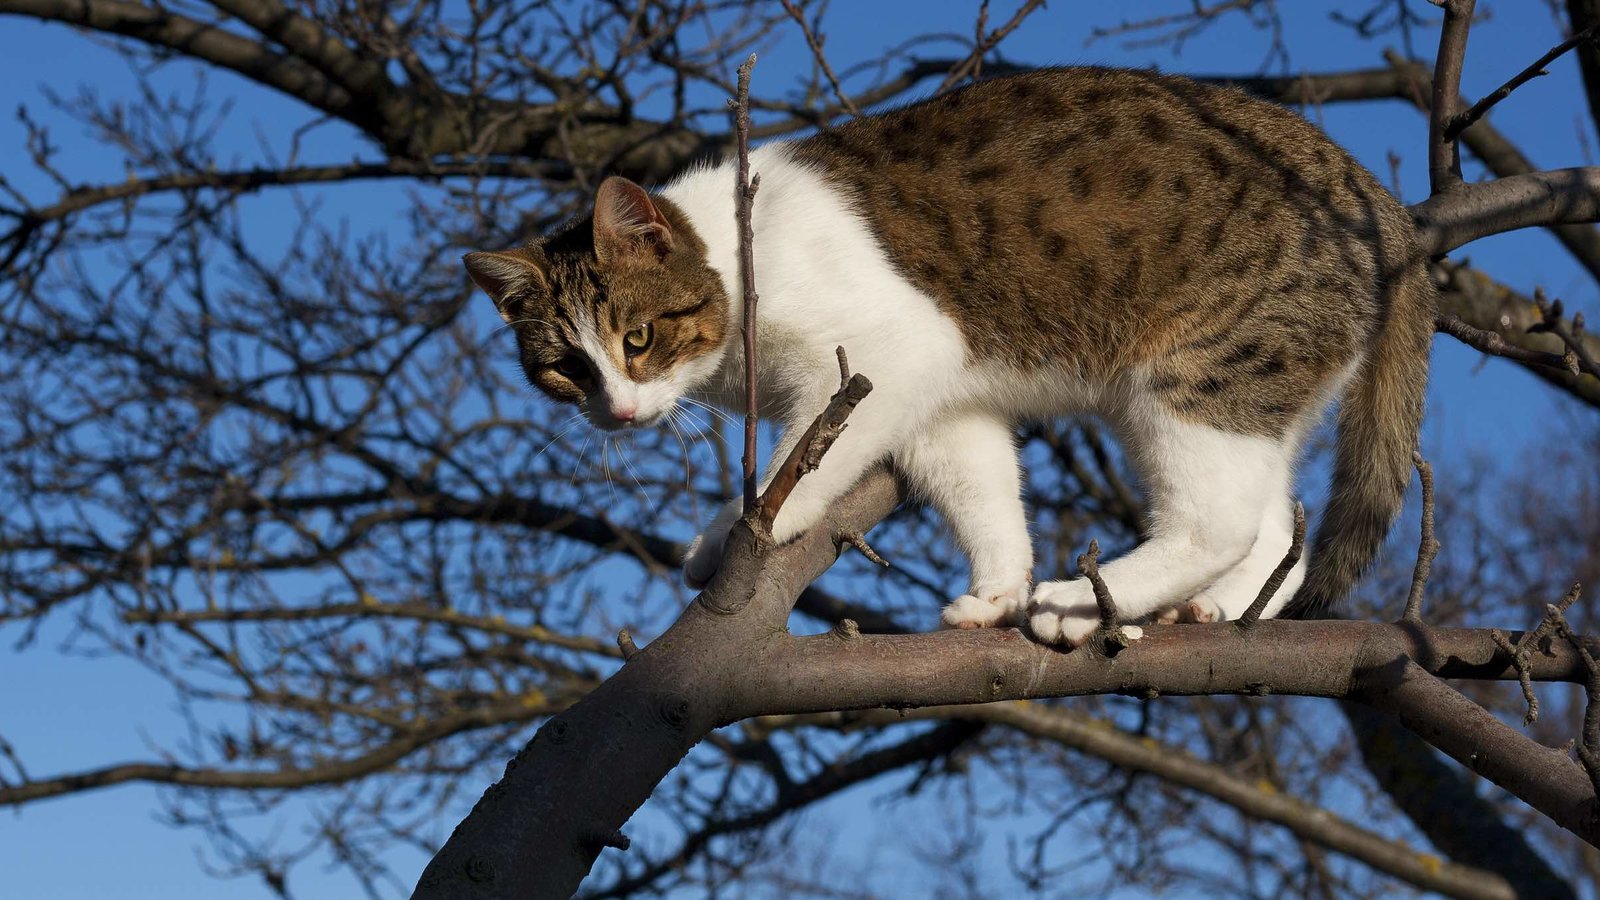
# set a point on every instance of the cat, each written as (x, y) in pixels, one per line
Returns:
(1203, 270)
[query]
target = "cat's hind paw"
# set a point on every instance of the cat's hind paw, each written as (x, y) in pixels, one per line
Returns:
(988, 610)
(1063, 612)
(1199, 611)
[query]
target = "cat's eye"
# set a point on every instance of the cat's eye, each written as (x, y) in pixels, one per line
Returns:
(638, 340)
(572, 367)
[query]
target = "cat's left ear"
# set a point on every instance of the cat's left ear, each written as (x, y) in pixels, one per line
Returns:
(626, 221)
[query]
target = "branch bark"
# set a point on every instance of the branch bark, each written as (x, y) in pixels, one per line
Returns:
(1445, 805)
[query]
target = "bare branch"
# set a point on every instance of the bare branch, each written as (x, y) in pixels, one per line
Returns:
(744, 194)
(985, 43)
(814, 41)
(1465, 213)
(1493, 308)
(1297, 545)
(375, 760)
(1134, 753)
(807, 454)
(162, 28)
(1427, 549)
(1444, 157)
(1461, 121)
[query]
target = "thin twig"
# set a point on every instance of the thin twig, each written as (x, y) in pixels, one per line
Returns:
(626, 645)
(814, 41)
(1112, 637)
(1521, 652)
(1462, 121)
(1577, 359)
(744, 194)
(1297, 546)
(969, 65)
(1428, 549)
(1089, 565)
(856, 540)
(1494, 344)
(1588, 743)
(807, 453)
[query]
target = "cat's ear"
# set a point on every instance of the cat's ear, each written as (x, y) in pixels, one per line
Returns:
(626, 221)
(507, 276)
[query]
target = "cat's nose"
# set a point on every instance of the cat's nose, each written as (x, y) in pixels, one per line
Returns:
(624, 413)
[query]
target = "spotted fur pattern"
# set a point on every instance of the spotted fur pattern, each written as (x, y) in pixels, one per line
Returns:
(1205, 271)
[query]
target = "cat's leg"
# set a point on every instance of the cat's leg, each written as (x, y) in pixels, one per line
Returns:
(1229, 596)
(704, 555)
(967, 468)
(1208, 499)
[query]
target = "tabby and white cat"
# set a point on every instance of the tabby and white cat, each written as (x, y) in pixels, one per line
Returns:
(1203, 270)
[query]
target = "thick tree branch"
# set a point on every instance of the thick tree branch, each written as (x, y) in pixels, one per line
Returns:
(308, 41)
(839, 776)
(1544, 778)
(1468, 212)
(203, 41)
(525, 837)
(1444, 803)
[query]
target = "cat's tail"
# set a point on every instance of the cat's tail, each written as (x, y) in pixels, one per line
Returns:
(1378, 422)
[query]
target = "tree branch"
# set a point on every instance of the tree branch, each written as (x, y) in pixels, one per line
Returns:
(839, 776)
(310, 42)
(200, 40)
(1444, 803)
(1444, 157)
(1492, 308)
(1465, 213)
(375, 760)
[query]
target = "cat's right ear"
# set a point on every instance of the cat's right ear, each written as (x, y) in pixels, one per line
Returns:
(506, 276)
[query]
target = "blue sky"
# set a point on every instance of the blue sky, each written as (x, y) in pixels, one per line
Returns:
(66, 712)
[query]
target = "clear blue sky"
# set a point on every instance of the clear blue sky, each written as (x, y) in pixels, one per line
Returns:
(65, 713)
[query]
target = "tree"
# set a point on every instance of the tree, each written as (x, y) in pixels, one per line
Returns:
(292, 477)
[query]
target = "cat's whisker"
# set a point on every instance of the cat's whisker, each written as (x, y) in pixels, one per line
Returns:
(711, 409)
(570, 423)
(628, 464)
(700, 430)
(688, 464)
(605, 467)
(526, 322)
(582, 452)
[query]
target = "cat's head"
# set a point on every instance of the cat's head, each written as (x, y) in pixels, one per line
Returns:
(619, 314)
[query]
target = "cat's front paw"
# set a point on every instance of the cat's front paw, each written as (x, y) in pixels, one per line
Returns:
(987, 608)
(703, 558)
(1064, 612)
